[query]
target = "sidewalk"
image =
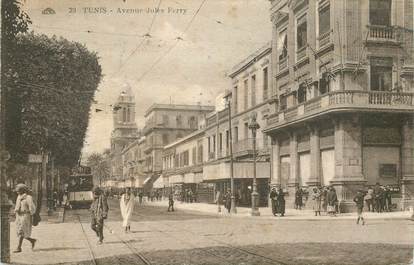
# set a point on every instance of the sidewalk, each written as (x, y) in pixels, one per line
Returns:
(266, 212)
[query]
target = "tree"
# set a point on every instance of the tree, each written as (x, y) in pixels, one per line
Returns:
(100, 167)
(52, 83)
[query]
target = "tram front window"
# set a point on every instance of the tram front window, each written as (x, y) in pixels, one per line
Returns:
(81, 183)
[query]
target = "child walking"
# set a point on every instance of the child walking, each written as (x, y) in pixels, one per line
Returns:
(359, 200)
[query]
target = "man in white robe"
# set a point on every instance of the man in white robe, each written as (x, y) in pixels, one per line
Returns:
(127, 207)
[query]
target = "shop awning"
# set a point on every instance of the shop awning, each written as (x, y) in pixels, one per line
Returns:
(241, 170)
(159, 183)
(174, 179)
(146, 180)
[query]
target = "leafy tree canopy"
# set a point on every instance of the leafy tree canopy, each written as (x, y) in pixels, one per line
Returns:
(51, 84)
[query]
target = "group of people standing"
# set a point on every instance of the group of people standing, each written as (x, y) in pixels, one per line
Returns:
(325, 199)
(378, 198)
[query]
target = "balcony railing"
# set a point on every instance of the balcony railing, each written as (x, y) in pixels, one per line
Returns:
(301, 53)
(378, 100)
(382, 33)
(246, 145)
(283, 63)
(324, 39)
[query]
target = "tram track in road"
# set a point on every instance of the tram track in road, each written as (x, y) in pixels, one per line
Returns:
(95, 261)
(131, 248)
(264, 259)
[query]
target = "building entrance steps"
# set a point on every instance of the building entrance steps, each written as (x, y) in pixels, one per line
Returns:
(266, 212)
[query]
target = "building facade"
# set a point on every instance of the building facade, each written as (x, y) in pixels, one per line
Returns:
(343, 103)
(249, 93)
(125, 130)
(183, 167)
(164, 124)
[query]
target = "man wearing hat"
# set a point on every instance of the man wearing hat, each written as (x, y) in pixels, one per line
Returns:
(99, 212)
(24, 210)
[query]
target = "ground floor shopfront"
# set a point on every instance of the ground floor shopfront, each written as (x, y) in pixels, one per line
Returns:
(217, 175)
(346, 151)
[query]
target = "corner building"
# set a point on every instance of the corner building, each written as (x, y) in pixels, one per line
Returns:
(343, 104)
(249, 93)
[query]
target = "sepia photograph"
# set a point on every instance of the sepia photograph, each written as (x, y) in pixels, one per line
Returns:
(207, 132)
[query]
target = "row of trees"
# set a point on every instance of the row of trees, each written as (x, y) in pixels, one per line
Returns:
(50, 84)
(100, 165)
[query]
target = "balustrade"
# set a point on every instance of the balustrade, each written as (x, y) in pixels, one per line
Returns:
(381, 32)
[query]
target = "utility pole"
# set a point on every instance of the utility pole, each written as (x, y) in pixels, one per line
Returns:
(233, 209)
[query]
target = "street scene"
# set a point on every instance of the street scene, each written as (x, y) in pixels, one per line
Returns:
(207, 132)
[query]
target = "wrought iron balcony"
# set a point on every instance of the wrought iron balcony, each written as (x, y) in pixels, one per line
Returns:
(337, 101)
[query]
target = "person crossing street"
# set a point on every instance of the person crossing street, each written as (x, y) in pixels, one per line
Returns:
(359, 200)
(99, 212)
(127, 203)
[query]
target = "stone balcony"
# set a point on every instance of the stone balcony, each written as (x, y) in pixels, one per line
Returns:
(343, 101)
(386, 34)
(245, 146)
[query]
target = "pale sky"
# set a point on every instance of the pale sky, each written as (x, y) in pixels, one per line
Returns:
(188, 71)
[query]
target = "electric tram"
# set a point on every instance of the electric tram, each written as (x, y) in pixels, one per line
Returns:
(80, 187)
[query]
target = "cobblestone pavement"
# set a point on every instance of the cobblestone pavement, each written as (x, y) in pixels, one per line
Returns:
(185, 237)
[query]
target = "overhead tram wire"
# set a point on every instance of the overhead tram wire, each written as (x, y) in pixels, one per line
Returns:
(179, 38)
(147, 34)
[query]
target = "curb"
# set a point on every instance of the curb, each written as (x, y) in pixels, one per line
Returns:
(291, 218)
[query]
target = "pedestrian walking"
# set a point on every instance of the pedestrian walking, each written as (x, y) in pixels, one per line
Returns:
(190, 196)
(99, 212)
(298, 198)
(24, 210)
(332, 199)
(227, 200)
(316, 197)
(140, 195)
(218, 200)
(273, 195)
(280, 202)
(127, 203)
(171, 202)
(359, 200)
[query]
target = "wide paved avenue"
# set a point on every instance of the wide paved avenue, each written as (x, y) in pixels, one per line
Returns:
(185, 237)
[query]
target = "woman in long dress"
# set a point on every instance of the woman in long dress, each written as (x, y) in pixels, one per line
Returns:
(24, 210)
(127, 207)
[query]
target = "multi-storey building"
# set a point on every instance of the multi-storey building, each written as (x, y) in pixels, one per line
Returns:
(165, 123)
(249, 93)
(133, 164)
(125, 130)
(343, 102)
(183, 166)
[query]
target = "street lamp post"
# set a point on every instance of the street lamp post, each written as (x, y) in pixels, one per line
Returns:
(233, 209)
(254, 126)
